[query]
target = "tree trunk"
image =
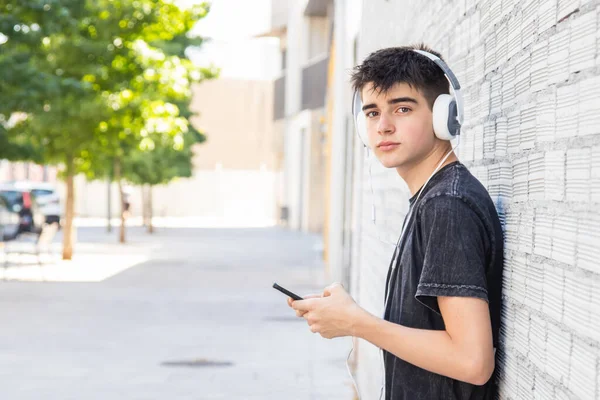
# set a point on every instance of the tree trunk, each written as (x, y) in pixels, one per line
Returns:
(150, 212)
(69, 213)
(122, 197)
(109, 210)
(144, 208)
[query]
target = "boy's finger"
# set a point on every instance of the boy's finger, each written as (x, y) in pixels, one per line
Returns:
(305, 305)
(312, 296)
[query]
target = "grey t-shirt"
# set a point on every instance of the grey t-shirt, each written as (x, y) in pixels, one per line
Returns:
(453, 246)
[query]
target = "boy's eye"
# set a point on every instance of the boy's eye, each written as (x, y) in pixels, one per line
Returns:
(404, 110)
(371, 114)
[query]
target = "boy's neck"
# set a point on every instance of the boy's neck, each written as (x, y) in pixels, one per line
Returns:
(415, 176)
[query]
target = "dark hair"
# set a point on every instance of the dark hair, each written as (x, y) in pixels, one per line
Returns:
(386, 67)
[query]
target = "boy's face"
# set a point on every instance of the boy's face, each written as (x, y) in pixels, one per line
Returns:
(399, 125)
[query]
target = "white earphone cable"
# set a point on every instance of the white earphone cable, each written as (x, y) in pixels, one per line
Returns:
(373, 210)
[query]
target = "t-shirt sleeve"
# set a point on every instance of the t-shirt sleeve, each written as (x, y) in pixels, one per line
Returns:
(454, 242)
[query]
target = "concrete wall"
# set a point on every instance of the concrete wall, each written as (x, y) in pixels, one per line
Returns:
(317, 170)
(346, 25)
(531, 79)
(318, 38)
(297, 144)
(236, 116)
(279, 13)
(304, 169)
(16, 171)
(296, 44)
(225, 197)
(304, 172)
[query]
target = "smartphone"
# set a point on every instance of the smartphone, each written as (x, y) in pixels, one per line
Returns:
(287, 292)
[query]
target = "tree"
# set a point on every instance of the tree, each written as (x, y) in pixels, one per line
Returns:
(106, 81)
(156, 108)
(24, 86)
(164, 161)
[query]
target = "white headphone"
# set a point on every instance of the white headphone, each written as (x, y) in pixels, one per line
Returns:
(447, 121)
(447, 109)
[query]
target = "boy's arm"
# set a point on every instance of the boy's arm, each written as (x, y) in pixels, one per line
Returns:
(464, 351)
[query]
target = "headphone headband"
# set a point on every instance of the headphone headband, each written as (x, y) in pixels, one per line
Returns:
(451, 78)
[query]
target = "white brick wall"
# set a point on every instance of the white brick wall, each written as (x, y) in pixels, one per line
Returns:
(530, 72)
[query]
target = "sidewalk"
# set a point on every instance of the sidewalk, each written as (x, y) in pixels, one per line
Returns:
(184, 296)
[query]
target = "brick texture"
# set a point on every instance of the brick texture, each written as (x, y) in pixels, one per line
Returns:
(530, 72)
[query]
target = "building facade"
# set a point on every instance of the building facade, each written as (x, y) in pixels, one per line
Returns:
(299, 115)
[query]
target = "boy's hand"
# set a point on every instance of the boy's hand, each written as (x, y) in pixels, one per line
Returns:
(309, 296)
(331, 315)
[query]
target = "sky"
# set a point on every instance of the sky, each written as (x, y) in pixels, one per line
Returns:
(236, 19)
(232, 26)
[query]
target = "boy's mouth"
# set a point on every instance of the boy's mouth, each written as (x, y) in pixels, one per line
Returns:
(387, 146)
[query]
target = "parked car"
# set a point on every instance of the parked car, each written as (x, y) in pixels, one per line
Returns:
(9, 221)
(47, 198)
(49, 201)
(24, 203)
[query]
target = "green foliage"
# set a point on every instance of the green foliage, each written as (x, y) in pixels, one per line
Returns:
(98, 80)
(164, 162)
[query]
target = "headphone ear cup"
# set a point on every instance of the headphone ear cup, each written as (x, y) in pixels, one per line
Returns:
(442, 117)
(360, 120)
